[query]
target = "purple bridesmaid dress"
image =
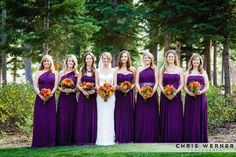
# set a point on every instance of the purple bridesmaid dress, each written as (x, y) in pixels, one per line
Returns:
(44, 128)
(124, 111)
(146, 113)
(195, 115)
(65, 110)
(171, 112)
(85, 126)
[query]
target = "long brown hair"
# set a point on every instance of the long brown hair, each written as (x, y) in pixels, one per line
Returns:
(190, 64)
(49, 58)
(128, 64)
(84, 67)
(176, 61)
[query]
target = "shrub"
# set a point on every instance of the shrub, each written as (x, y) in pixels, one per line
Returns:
(221, 109)
(16, 106)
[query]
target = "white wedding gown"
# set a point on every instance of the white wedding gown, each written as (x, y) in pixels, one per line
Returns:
(105, 113)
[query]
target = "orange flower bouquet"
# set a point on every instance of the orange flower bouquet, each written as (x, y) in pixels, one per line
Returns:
(46, 93)
(194, 87)
(146, 92)
(125, 86)
(88, 87)
(67, 84)
(169, 89)
(106, 91)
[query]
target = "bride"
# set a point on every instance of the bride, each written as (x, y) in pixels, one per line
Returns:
(105, 110)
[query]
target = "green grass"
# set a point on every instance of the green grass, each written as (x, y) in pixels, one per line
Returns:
(122, 150)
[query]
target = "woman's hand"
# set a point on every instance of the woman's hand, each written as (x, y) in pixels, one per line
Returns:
(191, 94)
(85, 93)
(199, 92)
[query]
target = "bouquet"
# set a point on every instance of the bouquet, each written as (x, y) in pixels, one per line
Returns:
(169, 89)
(88, 87)
(106, 91)
(194, 87)
(46, 93)
(146, 92)
(67, 84)
(125, 86)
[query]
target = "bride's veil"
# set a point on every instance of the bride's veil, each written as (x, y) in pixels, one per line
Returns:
(100, 63)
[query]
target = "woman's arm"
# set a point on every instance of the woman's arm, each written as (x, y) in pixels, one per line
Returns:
(186, 85)
(55, 83)
(115, 78)
(156, 81)
(36, 87)
(206, 82)
(78, 85)
(137, 80)
(181, 85)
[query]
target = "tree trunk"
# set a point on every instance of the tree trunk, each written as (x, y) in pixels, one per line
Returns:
(188, 53)
(115, 3)
(114, 61)
(215, 65)
(178, 50)
(226, 67)
(15, 69)
(153, 50)
(167, 43)
(207, 58)
(222, 70)
(4, 56)
(46, 25)
(4, 66)
(1, 74)
(28, 70)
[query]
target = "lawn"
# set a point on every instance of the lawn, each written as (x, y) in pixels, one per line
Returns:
(121, 150)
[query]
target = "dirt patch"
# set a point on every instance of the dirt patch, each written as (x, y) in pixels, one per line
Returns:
(16, 140)
(226, 134)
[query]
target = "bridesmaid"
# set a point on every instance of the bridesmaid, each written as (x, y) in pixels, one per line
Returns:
(171, 108)
(124, 107)
(66, 102)
(146, 112)
(85, 129)
(195, 117)
(44, 128)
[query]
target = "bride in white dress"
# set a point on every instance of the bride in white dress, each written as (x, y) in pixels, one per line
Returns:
(105, 110)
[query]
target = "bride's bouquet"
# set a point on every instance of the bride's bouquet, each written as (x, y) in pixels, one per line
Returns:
(106, 91)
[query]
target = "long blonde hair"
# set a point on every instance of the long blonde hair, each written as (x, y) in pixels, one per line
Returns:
(176, 61)
(152, 65)
(75, 63)
(49, 58)
(190, 64)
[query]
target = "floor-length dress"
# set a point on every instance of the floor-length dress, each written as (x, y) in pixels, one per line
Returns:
(85, 128)
(147, 129)
(124, 111)
(65, 112)
(195, 115)
(105, 121)
(171, 112)
(44, 127)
